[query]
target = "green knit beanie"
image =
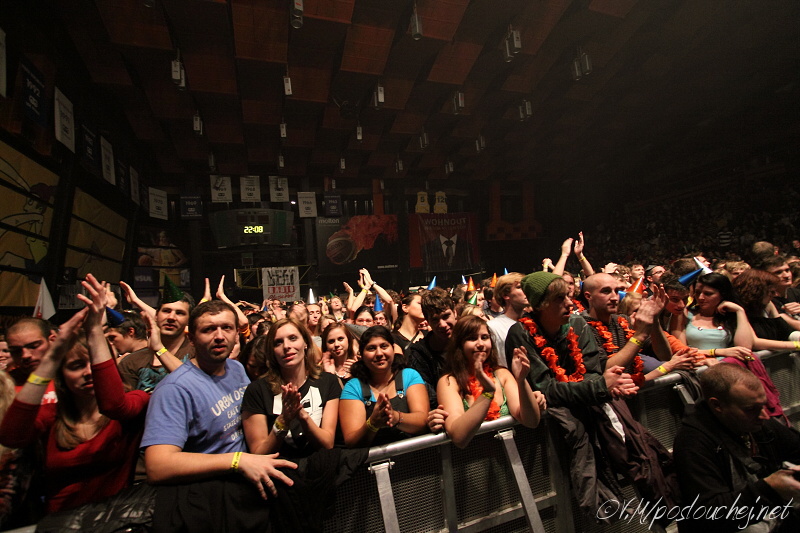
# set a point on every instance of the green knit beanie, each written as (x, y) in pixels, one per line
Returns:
(535, 284)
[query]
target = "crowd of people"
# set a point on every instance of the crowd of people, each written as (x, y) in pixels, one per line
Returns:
(173, 406)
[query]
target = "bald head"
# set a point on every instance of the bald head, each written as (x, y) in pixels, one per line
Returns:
(600, 291)
(719, 379)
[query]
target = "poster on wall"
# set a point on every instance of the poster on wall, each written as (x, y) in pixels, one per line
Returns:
(282, 283)
(368, 241)
(250, 188)
(107, 158)
(158, 204)
(27, 191)
(134, 174)
(162, 251)
(443, 242)
(33, 92)
(278, 189)
(65, 121)
(307, 203)
(3, 64)
(221, 189)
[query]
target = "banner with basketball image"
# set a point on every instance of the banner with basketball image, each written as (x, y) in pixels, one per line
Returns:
(363, 241)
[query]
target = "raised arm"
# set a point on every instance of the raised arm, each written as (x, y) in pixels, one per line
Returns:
(566, 247)
(385, 297)
(133, 299)
(585, 264)
(244, 325)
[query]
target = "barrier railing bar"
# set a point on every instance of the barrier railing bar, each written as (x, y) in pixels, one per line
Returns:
(493, 519)
(448, 486)
(422, 442)
(384, 481)
(521, 479)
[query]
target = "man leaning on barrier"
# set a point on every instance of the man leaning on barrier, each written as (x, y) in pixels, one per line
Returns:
(729, 456)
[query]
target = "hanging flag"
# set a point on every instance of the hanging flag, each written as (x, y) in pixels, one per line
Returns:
(44, 304)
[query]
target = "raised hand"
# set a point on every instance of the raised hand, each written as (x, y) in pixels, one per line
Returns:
(291, 402)
(486, 382)
(95, 303)
(520, 364)
(566, 246)
(579, 244)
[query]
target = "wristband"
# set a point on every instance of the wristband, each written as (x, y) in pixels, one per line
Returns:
(372, 427)
(161, 352)
(581, 258)
(489, 395)
(204, 300)
(637, 342)
(235, 462)
(662, 369)
(278, 425)
(364, 290)
(797, 345)
(38, 380)
(712, 351)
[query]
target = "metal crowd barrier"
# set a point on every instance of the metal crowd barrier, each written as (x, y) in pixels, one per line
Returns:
(509, 478)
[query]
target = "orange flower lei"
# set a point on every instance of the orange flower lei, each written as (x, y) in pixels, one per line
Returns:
(476, 389)
(611, 348)
(578, 307)
(551, 357)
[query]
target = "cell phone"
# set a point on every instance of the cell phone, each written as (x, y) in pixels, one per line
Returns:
(791, 466)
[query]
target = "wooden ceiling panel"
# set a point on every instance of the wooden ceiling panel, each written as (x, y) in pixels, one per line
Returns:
(212, 73)
(454, 62)
(260, 30)
(440, 18)
(614, 8)
(366, 49)
(333, 10)
(131, 23)
(310, 84)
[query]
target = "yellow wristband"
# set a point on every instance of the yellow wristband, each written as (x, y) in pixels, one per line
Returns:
(38, 380)
(581, 258)
(637, 342)
(372, 427)
(278, 425)
(797, 345)
(204, 300)
(489, 395)
(235, 462)
(161, 352)
(662, 369)
(712, 351)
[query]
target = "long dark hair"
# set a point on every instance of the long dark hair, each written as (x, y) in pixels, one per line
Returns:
(351, 340)
(273, 373)
(723, 285)
(455, 361)
(359, 369)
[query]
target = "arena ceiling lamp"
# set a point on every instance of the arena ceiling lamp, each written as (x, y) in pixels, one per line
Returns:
(296, 14)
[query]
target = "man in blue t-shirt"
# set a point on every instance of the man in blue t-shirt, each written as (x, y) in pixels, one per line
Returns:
(193, 429)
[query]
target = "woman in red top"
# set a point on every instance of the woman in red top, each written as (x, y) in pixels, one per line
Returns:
(92, 434)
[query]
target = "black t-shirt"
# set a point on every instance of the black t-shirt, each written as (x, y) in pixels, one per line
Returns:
(771, 328)
(315, 394)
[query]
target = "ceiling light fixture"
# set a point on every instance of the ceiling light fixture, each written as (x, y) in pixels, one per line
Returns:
(197, 124)
(280, 160)
(458, 102)
(398, 164)
(378, 96)
(296, 14)
(514, 40)
(581, 65)
(283, 128)
(177, 65)
(416, 25)
(287, 83)
(359, 132)
(212, 162)
(342, 164)
(423, 139)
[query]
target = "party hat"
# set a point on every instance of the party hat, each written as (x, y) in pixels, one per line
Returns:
(622, 294)
(474, 299)
(463, 280)
(114, 318)
(505, 271)
(493, 284)
(702, 266)
(311, 298)
(378, 307)
(470, 285)
(432, 284)
(638, 286)
(688, 279)
(171, 292)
